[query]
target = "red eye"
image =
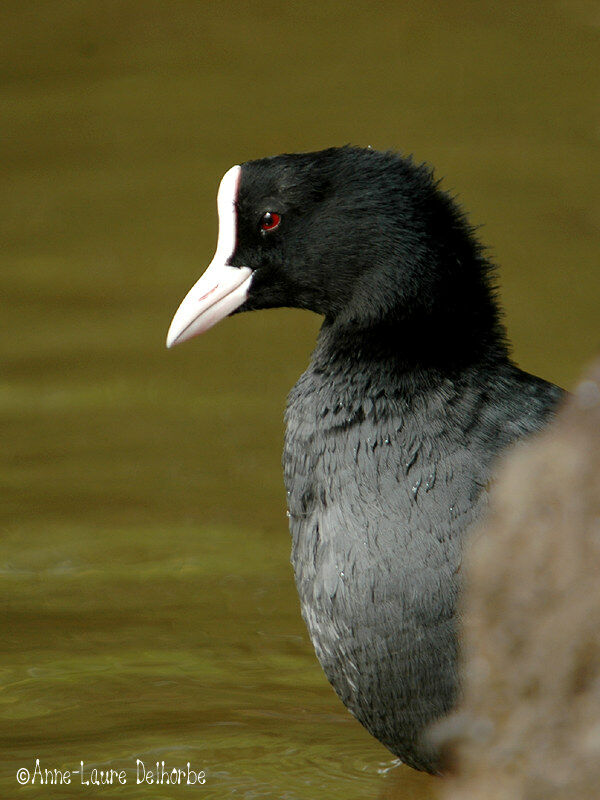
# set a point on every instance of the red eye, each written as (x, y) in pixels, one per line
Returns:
(269, 221)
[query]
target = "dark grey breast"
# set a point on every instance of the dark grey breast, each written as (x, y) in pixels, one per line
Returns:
(384, 474)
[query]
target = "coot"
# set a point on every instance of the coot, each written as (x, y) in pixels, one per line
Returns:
(394, 427)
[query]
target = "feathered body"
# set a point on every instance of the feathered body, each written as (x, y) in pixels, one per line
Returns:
(385, 473)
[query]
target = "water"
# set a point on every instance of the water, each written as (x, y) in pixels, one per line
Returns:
(149, 607)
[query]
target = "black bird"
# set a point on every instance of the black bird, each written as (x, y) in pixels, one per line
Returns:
(394, 428)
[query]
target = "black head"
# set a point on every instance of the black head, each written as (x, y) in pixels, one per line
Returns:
(360, 236)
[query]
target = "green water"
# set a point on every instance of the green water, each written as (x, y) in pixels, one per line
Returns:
(148, 602)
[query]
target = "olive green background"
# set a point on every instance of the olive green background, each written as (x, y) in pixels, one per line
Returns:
(148, 603)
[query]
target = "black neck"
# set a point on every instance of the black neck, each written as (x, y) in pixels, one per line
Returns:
(408, 346)
(449, 323)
